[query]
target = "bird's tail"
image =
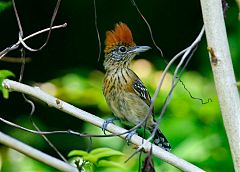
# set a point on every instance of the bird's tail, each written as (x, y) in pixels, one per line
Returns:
(161, 141)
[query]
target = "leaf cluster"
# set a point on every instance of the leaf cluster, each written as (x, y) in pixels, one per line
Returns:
(97, 158)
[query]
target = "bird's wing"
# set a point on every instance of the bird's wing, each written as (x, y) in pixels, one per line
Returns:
(142, 91)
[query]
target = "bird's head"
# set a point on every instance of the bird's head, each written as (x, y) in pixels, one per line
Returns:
(120, 48)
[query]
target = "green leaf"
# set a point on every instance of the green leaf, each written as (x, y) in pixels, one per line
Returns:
(5, 93)
(99, 150)
(88, 167)
(3, 75)
(81, 164)
(77, 153)
(4, 5)
(105, 152)
(91, 158)
(95, 154)
(85, 155)
(109, 164)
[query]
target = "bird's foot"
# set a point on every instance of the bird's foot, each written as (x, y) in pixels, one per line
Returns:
(129, 136)
(106, 122)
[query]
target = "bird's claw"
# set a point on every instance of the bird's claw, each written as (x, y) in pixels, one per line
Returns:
(129, 136)
(106, 122)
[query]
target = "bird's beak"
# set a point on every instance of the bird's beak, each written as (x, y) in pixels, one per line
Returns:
(139, 49)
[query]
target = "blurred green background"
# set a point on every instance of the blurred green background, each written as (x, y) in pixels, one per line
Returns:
(68, 68)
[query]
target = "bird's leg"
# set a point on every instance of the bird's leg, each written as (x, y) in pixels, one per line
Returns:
(106, 122)
(129, 136)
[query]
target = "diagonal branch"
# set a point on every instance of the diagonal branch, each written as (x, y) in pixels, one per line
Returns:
(83, 115)
(36, 154)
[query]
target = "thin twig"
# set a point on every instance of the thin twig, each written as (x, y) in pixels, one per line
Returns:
(185, 53)
(20, 36)
(51, 23)
(43, 132)
(18, 19)
(15, 59)
(16, 45)
(148, 25)
(69, 131)
(97, 31)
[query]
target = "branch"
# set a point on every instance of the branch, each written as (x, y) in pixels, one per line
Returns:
(16, 45)
(36, 154)
(15, 59)
(225, 82)
(83, 115)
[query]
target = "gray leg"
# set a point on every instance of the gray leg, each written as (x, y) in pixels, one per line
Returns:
(129, 136)
(106, 122)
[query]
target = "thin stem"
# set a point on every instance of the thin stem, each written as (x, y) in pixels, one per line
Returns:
(16, 45)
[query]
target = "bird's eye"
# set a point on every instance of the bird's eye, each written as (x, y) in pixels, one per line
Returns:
(122, 49)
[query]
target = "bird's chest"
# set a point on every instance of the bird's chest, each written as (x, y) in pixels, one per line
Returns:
(117, 90)
(127, 106)
(123, 101)
(117, 82)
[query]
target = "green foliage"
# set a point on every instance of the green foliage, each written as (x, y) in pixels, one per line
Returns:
(100, 157)
(3, 75)
(4, 5)
(80, 83)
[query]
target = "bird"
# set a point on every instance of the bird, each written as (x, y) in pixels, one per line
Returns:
(124, 92)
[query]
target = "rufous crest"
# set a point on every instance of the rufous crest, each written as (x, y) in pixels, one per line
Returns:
(120, 35)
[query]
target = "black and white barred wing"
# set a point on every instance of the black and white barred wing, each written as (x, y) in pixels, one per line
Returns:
(142, 91)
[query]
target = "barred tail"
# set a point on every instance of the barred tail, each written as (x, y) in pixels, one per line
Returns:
(161, 141)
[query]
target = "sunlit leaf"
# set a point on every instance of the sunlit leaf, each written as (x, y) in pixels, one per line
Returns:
(105, 152)
(109, 164)
(95, 154)
(5, 93)
(3, 75)
(99, 150)
(77, 153)
(85, 155)
(91, 158)
(88, 167)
